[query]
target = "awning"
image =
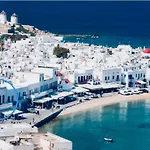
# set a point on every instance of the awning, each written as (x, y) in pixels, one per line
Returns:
(141, 82)
(5, 107)
(61, 95)
(39, 95)
(79, 90)
(43, 100)
(6, 113)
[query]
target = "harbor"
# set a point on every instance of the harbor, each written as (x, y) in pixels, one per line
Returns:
(58, 93)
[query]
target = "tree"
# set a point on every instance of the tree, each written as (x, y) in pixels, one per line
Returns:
(109, 51)
(61, 52)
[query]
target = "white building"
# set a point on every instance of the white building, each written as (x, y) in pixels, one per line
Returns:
(80, 75)
(25, 137)
(148, 75)
(135, 73)
(110, 74)
(28, 83)
(14, 129)
(14, 19)
(3, 17)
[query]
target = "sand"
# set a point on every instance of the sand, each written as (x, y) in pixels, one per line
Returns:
(99, 102)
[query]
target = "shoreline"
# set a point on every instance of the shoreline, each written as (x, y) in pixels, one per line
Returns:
(101, 102)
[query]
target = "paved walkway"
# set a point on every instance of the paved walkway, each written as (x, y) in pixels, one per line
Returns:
(32, 118)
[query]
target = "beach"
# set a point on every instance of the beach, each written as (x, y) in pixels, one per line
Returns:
(105, 101)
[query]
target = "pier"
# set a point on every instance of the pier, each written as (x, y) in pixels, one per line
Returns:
(33, 119)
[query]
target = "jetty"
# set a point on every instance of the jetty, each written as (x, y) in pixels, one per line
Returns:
(33, 119)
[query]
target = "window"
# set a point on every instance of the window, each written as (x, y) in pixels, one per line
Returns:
(30, 92)
(12, 98)
(130, 76)
(105, 78)
(117, 78)
(108, 77)
(8, 99)
(87, 77)
(141, 74)
(3, 99)
(81, 78)
(41, 88)
(113, 77)
(84, 78)
(50, 85)
(78, 79)
(24, 93)
(136, 75)
(0, 100)
(91, 76)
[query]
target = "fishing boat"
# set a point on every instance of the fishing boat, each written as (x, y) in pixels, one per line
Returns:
(108, 140)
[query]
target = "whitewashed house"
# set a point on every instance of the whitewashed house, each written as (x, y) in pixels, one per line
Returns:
(28, 83)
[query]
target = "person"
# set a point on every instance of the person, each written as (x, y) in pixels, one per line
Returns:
(38, 112)
(101, 92)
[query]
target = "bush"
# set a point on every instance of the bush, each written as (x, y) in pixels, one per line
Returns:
(13, 37)
(61, 52)
(22, 29)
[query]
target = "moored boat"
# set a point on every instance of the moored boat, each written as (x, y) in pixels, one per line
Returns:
(108, 139)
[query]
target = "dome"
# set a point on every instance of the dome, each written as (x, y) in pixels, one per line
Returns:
(3, 12)
(147, 50)
(14, 15)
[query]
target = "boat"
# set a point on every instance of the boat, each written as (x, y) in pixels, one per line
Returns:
(108, 140)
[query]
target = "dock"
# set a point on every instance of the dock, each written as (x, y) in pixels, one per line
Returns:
(33, 119)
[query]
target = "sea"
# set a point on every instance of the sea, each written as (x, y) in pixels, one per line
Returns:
(118, 22)
(128, 124)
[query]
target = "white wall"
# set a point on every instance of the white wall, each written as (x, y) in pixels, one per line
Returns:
(3, 19)
(111, 75)
(5, 146)
(65, 86)
(83, 73)
(3, 91)
(62, 145)
(24, 147)
(11, 130)
(55, 144)
(14, 20)
(136, 74)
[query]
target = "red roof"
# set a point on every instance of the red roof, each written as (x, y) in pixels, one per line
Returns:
(66, 80)
(59, 74)
(147, 50)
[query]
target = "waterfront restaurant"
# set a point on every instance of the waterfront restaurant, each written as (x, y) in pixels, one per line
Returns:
(43, 103)
(79, 91)
(102, 88)
(63, 97)
(97, 89)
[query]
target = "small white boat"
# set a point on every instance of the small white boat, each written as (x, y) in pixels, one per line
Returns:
(108, 140)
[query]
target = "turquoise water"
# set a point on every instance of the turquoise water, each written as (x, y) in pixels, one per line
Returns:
(127, 123)
(110, 40)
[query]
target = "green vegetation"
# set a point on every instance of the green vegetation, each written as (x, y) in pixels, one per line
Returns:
(13, 38)
(109, 52)
(61, 52)
(1, 45)
(23, 30)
